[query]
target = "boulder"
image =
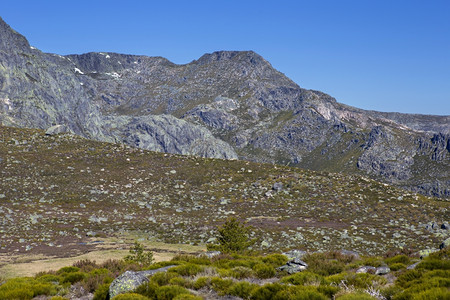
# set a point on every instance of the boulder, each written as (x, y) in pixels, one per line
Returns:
(211, 254)
(383, 270)
(130, 280)
(445, 226)
(292, 254)
(294, 266)
(366, 269)
(444, 244)
(57, 129)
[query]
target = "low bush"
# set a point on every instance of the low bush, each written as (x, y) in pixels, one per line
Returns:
(275, 260)
(403, 259)
(356, 296)
(130, 296)
(319, 263)
(220, 285)
(267, 291)
(169, 292)
(102, 292)
(163, 278)
(73, 277)
(25, 288)
(303, 278)
(264, 271)
(241, 272)
(188, 269)
(242, 289)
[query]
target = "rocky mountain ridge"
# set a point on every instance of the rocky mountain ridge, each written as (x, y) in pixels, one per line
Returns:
(226, 104)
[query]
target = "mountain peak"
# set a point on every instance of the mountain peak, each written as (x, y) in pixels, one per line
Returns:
(10, 39)
(249, 56)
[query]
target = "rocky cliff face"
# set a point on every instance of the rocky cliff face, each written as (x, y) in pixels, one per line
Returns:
(225, 104)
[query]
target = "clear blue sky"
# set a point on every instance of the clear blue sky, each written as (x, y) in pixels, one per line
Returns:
(381, 55)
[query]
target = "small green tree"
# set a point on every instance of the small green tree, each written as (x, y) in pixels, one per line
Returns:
(232, 237)
(139, 256)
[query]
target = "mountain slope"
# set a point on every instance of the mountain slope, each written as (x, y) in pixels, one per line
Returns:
(58, 192)
(234, 102)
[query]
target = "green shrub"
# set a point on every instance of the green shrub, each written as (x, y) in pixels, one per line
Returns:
(303, 278)
(73, 277)
(433, 294)
(48, 278)
(147, 289)
(201, 282)
(356, 296)
(58, 298)
(163, 278)
(241, 272)
(328, 290)
(399, 259)
(319, 263)
(267, 291)
(169, 292)
(275, 260)
(178, 281)
(264, 271)
(357, 280)
(220, 285)
(232, 237)
(397, 266)
(68, 270)
(434, 264)
(130, 296)
(102, 292)
(242, 289)
(139, 256)
(188, 269)
(198, 260)
(25, 288)
(372, 261)
(299, 292)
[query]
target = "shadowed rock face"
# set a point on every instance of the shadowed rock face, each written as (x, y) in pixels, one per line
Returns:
(226, 104)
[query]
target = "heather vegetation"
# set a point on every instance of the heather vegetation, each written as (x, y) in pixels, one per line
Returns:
(254, 276)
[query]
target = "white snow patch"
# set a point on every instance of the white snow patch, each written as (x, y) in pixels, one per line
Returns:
(78, 71)
(81, 83)
(135, 62)
(107, 56)
(114, 75)
(31, 47)
(119, 62)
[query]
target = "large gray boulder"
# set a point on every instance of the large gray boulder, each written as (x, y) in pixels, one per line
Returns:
(294, 266)
(57, 129)
(130, 280)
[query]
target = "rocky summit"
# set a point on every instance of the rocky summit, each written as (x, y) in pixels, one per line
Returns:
(226, 104)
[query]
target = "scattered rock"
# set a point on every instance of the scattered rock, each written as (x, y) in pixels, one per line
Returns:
(130, 280)
(294, 266)
(292, 254)
(366, 269)
(57, 129)
(354, 254)
(413, 266)
(443, 226)
(277, 186)
(383, 270)
(211, 254)
(445, 244)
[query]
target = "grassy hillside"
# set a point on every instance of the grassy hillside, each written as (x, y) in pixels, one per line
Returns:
(57, 193)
